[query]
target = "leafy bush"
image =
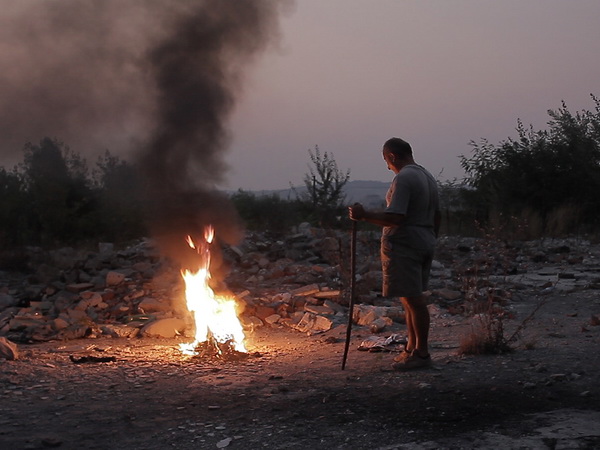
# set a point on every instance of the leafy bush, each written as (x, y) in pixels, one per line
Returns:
(548, 172)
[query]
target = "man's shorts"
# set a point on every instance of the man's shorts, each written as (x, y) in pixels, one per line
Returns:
(405, 270)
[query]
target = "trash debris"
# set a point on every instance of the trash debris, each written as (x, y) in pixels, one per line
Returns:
(392, 343)
(92, 359)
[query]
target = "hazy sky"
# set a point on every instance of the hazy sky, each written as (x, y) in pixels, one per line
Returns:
(351, 73)
(345, 75)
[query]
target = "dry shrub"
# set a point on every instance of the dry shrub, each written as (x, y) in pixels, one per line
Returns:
(563, 220)
(532, 225)
(484, 301)
(486, 335)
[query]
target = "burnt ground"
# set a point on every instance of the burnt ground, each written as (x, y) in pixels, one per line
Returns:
(290, 392)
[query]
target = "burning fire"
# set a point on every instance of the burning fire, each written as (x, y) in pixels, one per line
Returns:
(214, 316)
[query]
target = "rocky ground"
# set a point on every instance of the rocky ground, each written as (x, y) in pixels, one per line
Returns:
(75, 375)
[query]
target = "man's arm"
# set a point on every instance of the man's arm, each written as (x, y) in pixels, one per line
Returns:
(384, 219)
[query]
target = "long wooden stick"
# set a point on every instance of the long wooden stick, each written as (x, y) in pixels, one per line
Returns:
(352, 291)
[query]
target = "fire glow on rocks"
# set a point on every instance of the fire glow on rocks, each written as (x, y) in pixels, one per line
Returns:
(216, 323)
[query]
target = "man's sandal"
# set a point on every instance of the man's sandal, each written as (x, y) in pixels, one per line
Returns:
(412, 361)
(402, 356)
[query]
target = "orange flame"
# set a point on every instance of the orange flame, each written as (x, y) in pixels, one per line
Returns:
(213, 315)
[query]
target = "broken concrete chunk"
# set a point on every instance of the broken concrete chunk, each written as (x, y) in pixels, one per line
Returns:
(79, 287)
(313, 324)
(164, 328)
(89, 300)
(262, 312)
(327, 294)
(306, 290)
(149, 305)
(272, 319)
(114, 278)
(251, 322)
(379, 324)
(8, 349)
(119, 331)
(318, 309)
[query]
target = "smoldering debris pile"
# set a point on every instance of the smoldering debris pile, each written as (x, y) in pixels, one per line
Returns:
(299, 281)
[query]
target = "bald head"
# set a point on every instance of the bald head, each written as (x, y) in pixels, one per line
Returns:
(398, 148)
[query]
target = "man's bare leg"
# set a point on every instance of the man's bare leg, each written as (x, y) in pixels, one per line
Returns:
(410, 330)
(419, 324)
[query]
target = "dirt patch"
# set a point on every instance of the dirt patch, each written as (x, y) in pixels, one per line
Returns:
(290, 392)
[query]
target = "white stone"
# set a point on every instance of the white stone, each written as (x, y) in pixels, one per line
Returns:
(165, 328)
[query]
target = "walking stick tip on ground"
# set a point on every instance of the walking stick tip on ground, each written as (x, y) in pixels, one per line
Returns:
(352, 292)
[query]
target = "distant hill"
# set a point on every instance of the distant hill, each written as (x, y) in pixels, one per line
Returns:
(370, 193)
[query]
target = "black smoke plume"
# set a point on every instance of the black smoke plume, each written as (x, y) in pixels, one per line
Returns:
(155, 80)
(197, 68)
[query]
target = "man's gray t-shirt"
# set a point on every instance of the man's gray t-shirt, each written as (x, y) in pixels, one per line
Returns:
(414, 194)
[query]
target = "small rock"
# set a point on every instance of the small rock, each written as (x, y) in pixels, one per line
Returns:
(7, 301)
(272, 319)
(59, 323)
(114, 278)
(224, 443)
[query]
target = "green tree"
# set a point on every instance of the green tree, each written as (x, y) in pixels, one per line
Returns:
(120, 204)
(14, 207)
(325, 183)
(542, 171)
(55, 180)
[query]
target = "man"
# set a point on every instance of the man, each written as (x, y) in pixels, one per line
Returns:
(411, 223)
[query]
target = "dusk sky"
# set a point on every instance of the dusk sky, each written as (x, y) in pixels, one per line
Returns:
(345, 75)
(349, 74)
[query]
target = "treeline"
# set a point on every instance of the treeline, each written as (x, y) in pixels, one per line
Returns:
(547, 180)
(545, 183)
(52, 198)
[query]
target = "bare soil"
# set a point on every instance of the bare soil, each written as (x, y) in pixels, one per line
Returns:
(290, 391)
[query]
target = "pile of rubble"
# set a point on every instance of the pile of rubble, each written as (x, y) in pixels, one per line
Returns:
(297, 281)
(300, 280)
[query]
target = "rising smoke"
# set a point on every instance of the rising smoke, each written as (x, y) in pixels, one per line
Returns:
(198, 69)
(152, 80)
